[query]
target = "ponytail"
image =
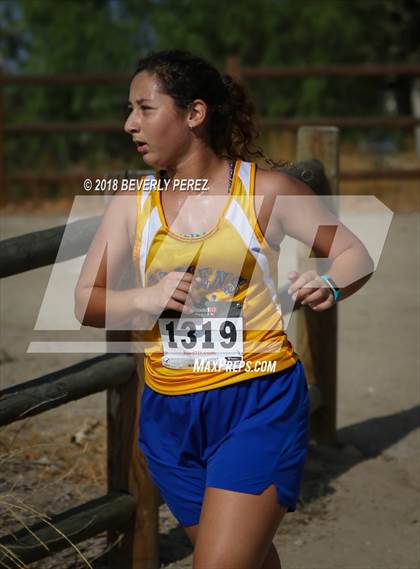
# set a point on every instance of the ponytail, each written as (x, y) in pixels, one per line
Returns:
(232, 127)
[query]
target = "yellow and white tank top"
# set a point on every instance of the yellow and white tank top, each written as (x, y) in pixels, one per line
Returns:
(239, 324)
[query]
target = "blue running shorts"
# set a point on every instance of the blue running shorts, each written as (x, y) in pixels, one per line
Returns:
(243, 437)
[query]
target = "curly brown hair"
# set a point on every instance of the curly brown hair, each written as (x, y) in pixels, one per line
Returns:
(185, 77)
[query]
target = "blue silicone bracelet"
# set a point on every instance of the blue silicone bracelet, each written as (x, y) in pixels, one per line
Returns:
(334, 288)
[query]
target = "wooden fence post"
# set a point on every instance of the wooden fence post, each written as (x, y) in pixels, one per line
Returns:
(415, 105)
(3, 188)
(127, 471)
(233, 66)
(317, 333)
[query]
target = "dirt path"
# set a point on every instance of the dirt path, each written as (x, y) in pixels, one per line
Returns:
(360, 500)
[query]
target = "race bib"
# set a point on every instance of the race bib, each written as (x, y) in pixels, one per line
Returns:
(210, 334)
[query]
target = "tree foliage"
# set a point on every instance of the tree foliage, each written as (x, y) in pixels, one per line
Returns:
(91, 36)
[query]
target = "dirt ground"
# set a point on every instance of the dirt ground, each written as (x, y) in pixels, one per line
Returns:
(359, 506)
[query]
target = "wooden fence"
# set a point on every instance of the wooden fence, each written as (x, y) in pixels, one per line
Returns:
(130, 506)
(236, 69)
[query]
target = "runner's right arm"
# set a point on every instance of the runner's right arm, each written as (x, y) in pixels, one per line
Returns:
(98, 302)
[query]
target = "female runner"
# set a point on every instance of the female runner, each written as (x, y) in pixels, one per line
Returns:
(224, 420)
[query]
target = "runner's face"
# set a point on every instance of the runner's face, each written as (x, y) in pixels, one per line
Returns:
(158, 129)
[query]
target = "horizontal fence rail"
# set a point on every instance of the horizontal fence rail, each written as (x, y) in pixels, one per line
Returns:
(40, 248)
(388, 174)
(342, 122)
(347, 176)
(114, 510)
(68, 384)
(332, 70)
(412, 69)
(280, 122)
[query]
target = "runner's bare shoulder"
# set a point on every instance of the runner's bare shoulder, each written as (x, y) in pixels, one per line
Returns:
(110, 250)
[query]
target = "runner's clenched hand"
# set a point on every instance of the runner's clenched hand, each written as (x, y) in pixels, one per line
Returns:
(308, 288)
(175, 291)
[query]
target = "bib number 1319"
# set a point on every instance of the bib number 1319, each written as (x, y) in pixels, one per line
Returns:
(210, 339)
(204, 337)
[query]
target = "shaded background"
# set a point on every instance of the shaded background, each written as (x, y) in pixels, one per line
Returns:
(108, 36)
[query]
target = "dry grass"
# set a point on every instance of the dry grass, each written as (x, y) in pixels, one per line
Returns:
(44, 473)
